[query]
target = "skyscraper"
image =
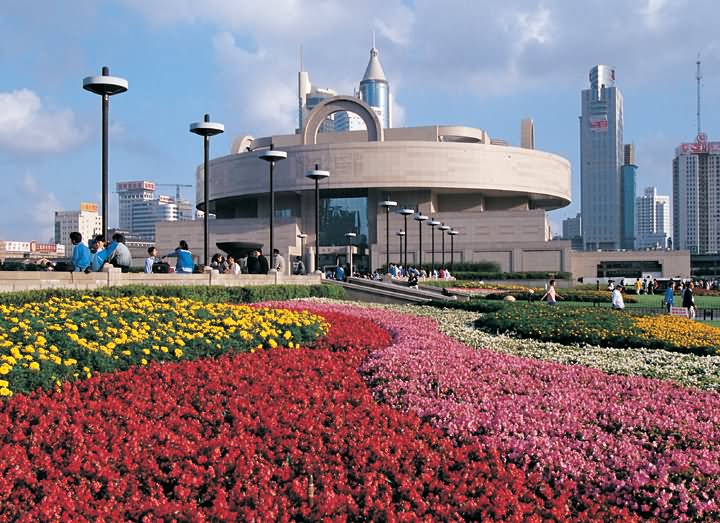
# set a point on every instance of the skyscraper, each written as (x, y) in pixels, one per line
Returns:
(141, 209)
(601, 158)
(652, 220)
(696, 196)
(628, 174)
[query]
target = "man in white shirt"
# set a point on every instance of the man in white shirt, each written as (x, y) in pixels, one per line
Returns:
(617, 300)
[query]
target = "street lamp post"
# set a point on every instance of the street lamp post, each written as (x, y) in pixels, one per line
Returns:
(271, 156)
(420, 218)
(317, 175)
(433, 223)
(405, 213)
(206, 129)
(387, 204)
(350, 236)
(105, 86)
(452, 233)
(401, 235)
(443, 228)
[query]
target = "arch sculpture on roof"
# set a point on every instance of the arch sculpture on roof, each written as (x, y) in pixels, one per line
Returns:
(342, 103)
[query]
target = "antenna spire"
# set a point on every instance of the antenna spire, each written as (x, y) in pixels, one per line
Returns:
(698, 77)
(301, 57)
(373, 42)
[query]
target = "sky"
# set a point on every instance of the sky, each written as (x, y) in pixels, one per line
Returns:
(481, 64)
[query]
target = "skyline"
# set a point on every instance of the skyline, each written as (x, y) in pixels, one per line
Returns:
(532, 60)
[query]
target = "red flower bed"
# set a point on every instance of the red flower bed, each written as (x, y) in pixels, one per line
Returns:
(277, 436)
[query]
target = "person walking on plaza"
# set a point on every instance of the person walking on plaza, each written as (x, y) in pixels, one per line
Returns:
(80, 253)
(151, 259)
(670, 296)
(617, 300)
(184, 257)
(688, 299)
(278, 262)
(552, 295)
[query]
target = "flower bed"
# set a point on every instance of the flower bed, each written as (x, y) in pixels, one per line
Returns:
(282, 435)
(649, 445)
(43, 344)
(566, 295)
(603, 327)
(687, 369)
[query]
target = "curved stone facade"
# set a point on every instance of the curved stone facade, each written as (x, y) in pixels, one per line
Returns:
(496, 196)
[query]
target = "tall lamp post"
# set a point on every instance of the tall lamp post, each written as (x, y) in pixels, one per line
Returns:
(405, 213)
(452, 233)
(387, 204)
(271, 156)
(420, 218)
(401, 235)
(443, 228)
(206, 129)
(350, 236)
(433, 223)
(106, 86)
(317, 175)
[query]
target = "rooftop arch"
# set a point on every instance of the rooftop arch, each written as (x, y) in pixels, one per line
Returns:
(337, 104)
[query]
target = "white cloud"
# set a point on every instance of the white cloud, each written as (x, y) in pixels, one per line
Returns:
(26, 126)
(40, 213)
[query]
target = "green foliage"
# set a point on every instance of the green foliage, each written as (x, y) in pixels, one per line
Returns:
(202, 293)
(480, 306)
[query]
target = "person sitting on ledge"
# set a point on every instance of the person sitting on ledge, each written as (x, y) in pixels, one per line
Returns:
(184, 257)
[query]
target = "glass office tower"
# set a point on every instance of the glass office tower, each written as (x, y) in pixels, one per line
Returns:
(601, 158)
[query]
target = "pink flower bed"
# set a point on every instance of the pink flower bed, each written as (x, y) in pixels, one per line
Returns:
(649, 445)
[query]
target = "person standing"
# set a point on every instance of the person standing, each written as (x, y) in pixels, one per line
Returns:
(278, 262)
(80, 253)
(184, 257)
(150, 260)
(552, 295)
(339, 273)
(253, 264)
(669, 296)
(688, 299)
(263, 263)
(617, 300)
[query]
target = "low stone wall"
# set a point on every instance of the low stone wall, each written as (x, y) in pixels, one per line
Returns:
(22, 281)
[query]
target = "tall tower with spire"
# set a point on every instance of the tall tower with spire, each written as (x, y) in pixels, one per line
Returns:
(375, 89)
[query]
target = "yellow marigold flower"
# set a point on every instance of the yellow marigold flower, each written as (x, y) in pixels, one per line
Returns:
(144, 361)
(4, 391)
(272, 343)
(178, 353)
(4, 383)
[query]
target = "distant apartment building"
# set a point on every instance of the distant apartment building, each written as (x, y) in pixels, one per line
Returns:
(140, 208)
(601, 158)
(31, 249)
(572, 230)
(696, 196)
(652, 220)
(86, 221)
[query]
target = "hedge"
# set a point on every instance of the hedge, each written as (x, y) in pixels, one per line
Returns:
(567, 295)
(480, 306)
(203, 293)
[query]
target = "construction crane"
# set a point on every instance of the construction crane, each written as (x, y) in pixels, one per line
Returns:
(177, 188)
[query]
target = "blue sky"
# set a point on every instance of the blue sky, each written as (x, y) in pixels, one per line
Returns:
(481, 64)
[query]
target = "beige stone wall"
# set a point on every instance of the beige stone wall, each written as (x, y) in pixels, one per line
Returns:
(674, 263)
(20, 281)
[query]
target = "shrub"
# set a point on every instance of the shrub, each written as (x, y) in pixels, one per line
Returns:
(206, 294)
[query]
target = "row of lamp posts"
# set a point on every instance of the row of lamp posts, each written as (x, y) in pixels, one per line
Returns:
(106, 86)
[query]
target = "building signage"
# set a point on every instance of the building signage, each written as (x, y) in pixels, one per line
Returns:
(599, 124)
(701, 145)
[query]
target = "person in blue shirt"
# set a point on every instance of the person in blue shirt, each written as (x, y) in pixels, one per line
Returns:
(184, 257)
(99, 258)
(80, 253)
(669, 298)
(339, 273)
